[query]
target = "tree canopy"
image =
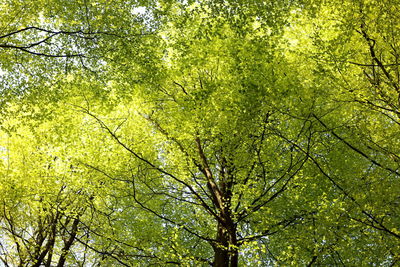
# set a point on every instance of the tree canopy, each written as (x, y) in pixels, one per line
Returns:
(200, 133)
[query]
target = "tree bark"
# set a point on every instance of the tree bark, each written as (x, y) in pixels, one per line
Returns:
(221, 255)
(225, 249)
(68, 243)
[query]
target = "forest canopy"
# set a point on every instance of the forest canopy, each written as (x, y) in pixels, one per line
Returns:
(200, 133)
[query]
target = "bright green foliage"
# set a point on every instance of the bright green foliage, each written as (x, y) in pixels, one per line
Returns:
(218, 133)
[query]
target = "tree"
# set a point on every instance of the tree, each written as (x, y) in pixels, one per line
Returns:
(362, 160)
(223, 133)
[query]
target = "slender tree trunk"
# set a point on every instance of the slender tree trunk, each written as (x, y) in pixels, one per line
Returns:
(68, 243)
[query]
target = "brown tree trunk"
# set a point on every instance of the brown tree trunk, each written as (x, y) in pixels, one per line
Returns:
(234, 255)
(221, 253)
(68, 243)
(225, 247)
(226, 250)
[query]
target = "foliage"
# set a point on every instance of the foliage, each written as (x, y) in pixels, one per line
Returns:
(218, 133)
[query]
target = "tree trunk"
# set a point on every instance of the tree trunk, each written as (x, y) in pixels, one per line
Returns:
(226, 250)
(221, 258)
